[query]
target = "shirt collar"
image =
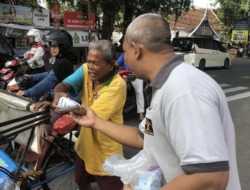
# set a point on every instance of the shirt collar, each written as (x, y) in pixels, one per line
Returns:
(165, 71)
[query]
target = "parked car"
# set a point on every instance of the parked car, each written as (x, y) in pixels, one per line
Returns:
(203, 52)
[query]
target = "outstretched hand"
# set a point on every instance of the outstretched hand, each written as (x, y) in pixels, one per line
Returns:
(20, 93)
(40, 106)
(87, 120)
(127, 187)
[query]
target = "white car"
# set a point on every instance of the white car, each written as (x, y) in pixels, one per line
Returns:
(203, 52)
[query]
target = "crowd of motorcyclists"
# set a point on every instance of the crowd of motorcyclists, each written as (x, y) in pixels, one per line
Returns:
(60, 66)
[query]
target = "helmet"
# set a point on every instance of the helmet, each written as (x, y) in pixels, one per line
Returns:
(59, 38)
(36, 34)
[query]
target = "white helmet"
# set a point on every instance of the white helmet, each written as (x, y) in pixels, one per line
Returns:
(36, 34)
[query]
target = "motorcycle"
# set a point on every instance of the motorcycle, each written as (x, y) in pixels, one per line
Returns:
(240, 52)
(30, 159)
(11, 69)
(248, 52)
(16, 69)
(7, 73)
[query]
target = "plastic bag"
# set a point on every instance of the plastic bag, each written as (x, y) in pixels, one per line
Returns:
(149, 180)
(38, 141)
(141, 171)
(64, 125)
(7, 166)
(65, 103)
(8, 184)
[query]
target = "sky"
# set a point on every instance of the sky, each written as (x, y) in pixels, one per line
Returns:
(204, 3)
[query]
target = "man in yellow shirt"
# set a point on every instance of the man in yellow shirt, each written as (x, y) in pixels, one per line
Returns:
(104, 91)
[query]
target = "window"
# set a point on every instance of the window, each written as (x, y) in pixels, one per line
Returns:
(221, 47)
(183, 44)
(204, 43)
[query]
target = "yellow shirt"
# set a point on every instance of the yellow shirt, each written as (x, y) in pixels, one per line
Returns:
(107, 102)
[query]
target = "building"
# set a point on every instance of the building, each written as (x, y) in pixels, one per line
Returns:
(16, 20)
(197, 22)
(241, 31)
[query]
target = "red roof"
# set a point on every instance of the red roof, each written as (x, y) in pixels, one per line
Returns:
(189, 20)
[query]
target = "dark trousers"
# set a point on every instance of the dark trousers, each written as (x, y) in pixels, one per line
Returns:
(83, 178)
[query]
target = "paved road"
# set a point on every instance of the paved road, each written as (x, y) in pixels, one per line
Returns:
(236, 85)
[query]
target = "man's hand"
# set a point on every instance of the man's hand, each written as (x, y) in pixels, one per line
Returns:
(57, 96)
(123, 134)
(40, 106)
(199, 181)
(20, 93)
(127, 187)
(88, 120)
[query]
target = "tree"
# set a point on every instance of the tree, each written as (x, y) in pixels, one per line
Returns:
(122, 11)
(109, 14)
(134, 8)
(231, 10)
(111, 11)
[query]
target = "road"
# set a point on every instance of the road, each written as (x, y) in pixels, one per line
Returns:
(236, 85)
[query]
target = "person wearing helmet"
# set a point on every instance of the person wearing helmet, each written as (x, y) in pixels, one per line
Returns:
(62, 61)
(62, 37)
(34, 57)
(64, 42)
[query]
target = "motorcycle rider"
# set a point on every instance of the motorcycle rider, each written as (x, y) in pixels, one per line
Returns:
(33, 59)
(62, 61)
(240, 51)
(34, 56)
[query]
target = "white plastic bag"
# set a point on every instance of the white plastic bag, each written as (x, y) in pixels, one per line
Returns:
(38, 141)
(65, 103)
(141, 171)
(8, 184)
(149, 180)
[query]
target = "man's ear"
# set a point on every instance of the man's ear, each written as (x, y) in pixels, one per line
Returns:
(137, 50)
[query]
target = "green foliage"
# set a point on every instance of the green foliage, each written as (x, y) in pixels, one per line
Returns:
(165, 6)
(245, 6)
(134, 8)
(232, 10)
(119, 12)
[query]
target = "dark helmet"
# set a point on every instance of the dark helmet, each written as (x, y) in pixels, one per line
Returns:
(59, 38)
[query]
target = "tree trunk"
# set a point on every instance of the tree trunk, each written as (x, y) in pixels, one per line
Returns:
(109, 13)
(129, 10)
